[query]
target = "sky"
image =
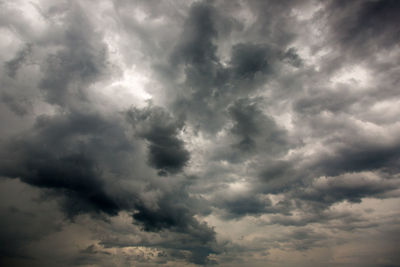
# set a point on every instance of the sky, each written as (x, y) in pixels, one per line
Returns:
(199, 133)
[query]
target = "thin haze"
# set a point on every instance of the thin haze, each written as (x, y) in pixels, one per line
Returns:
(196, 133)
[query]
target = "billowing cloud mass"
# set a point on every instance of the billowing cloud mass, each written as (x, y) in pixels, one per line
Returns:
(198, 133)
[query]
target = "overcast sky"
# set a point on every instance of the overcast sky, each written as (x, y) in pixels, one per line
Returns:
(196, 133)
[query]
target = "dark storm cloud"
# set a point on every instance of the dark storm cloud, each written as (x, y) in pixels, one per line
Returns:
(196, 54)
(166, 151)
(174, 211)
(197, 46)
(275, 114)
(193, 246)
(248, 60)
(188, 234)
(250, 66)
(210, 85)
(351, 187)
(174, 227)
(364, 26)
(349, 165)
(359, 32)
(359, 155)
(69, 156)
(60, 154)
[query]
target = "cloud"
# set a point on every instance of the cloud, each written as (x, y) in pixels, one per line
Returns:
(81, 61)
(13, 65)
(166, 151)
(202, 133)
(359, 26)
(59, 155)
(351, 187)
(255, 129)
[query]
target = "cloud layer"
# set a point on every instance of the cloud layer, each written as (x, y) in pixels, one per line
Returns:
(197, 133)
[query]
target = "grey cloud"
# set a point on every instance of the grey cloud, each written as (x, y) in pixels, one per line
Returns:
(278, 176)
(20, 58)
(174, 230)
(248, 60)
(320, 101)
(351, 187)
(240, 205)
(166, 151)
(274, 21)
(209, 85)
(22, 222)
(355, 156)
(341, 220)
(197, 46)
(18, 106)
(364, 26)
(304, 239)
(172, 212)
(358, 31)
(68, 155)
(196, 52)
(257, 130)
(81, 60)
(292, 57)
(60, 154)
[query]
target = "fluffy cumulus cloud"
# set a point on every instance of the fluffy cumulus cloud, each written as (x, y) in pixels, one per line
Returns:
(199, 133)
